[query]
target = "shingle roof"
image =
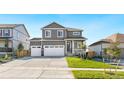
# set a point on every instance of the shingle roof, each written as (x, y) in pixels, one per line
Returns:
(101, 41)
(113, 38)
(54, 25)
(116, 37)
(8, 25)
(73, 29)
(35, 39)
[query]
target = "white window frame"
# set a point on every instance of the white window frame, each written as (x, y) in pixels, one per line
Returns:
(49, 35)
(58, 32)
(76, 33)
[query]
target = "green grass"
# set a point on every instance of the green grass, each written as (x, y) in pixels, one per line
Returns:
(96, 75)
(75, 62)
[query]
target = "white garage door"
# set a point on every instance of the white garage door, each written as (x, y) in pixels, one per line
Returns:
(36, 51)
(53, 50)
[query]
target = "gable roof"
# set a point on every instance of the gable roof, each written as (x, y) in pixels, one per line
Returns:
(54, 25)
(113, 38)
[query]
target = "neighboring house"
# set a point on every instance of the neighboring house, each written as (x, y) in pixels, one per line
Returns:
(99, 46)
(12, 35)
(57, 40)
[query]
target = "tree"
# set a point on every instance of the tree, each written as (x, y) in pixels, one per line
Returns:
(20, 47)
(113, 52)
(82, 46)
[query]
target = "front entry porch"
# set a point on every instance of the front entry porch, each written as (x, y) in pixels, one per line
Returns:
(72, 47)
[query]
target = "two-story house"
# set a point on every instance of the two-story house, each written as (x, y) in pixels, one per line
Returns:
(57, 40)
(11, 35)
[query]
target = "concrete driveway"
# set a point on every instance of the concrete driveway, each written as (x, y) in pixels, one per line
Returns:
(36, 68)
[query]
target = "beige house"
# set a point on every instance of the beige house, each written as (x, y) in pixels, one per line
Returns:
(57, 40)
(13, 34)
(99, 46)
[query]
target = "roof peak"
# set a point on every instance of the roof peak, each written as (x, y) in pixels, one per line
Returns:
(54, 25)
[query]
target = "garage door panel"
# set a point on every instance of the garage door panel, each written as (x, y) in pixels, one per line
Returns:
(35, 51)
(54, 50)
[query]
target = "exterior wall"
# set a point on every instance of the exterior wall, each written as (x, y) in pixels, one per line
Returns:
(122, 53)
(54, 34)
(35, 43)
(53, 42)
(70, 34)
(121, 45)
(20, 36)
(96, 48)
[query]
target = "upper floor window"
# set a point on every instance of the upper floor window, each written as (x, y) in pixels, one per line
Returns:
(76, 33)
(47, 33)
(0, 32)
(6, 32)
(59, 33)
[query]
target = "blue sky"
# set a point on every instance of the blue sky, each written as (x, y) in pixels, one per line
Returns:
(95, 26)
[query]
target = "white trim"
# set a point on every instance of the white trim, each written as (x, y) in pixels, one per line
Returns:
(52, 28)
(52, 40)
(45, 33)
(72, 46)
(74, 39)
(62, 34)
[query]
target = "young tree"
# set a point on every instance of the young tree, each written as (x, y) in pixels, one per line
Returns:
(20, 47)
(83, 48)
(113, 52)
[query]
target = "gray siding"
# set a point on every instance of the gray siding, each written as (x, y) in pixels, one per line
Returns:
(53, 35)
(70, 34)
(35, 43)
(53, 42)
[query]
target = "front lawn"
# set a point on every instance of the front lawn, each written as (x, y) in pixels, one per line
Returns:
(96, 75)
(75, 62)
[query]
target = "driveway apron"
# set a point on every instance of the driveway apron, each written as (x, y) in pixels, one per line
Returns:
(36, 68)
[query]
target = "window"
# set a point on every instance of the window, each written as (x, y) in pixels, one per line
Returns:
(47, 33)
(59, 33)
(46, 46)
(0, 32)
(51, 46)
(6, 32)
(76, 33)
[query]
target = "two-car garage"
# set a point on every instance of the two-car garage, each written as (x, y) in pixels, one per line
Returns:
(48, 50)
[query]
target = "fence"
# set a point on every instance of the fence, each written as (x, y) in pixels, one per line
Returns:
(22, 53)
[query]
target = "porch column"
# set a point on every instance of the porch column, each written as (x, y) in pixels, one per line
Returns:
(72, 46)
(65, 47)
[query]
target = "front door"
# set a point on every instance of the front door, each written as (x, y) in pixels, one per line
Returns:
(69, 47)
